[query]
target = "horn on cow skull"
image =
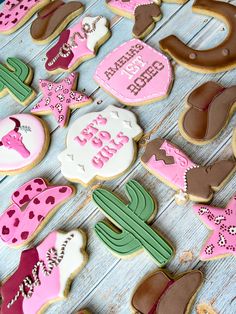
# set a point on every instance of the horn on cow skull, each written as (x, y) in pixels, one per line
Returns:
(17, 122)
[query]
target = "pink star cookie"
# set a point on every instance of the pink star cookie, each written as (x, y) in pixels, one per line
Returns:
(59, 98)
(222, 222)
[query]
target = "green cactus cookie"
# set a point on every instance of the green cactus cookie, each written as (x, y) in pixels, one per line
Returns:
(132, 219)
(14, 79)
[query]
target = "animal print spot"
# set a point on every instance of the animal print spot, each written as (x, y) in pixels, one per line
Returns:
(16, 222)
(24, 200)
(14, 240)
(28, 188)
(39, 190)
(10, 213)
(24, 235)
(36, 201)
(50, 199)
(38, 181)
(5, 230)
(63, 189)
(31, 215)
(17, 193)
(40, 217)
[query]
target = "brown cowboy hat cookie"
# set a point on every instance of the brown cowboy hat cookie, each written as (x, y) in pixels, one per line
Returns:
(53, 18)
(160, 293)
(208, 110)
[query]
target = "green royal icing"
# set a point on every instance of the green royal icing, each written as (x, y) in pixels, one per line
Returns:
(13, 79)
(132, 220)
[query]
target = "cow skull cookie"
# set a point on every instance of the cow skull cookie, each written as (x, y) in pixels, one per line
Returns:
(100, 145)
(33, 204)
(191, 181)
(222, 223)
(15, 78)
(16, 13)
(44, 273)
(53, 18)
(24, 140)
(77, 44)
(59, 98)
(209, 108)
(159, 293)
(132, 220)
(135, 74)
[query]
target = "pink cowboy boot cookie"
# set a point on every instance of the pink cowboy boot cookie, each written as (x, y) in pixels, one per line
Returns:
(15, 13)
(33, 204)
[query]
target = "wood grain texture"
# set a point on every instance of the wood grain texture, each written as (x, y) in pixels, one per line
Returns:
(105, 285)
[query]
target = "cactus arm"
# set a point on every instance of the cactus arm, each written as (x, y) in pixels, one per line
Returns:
(126, 220)
(21, 70)
(120, 243)
(141, 202)
(1, 87)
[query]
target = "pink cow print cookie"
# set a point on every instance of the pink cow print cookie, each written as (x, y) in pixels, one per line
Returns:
(144, 12)
(135, 74)
(15, 13)
(77, 44)
(44, 273)
(100, 145)
(33, 204)
(24, 140)
(222, 223)
(59, 98)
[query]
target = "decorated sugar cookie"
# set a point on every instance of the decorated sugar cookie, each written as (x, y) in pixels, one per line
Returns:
(217, 59)
(59, 98)
(222, 223)
(159, 293)
(15, 78)
(132, 219)
(208, 110)
(191, 181)
(44, 273)
(53, 18)
(135, 74)
(100, 145)
(144, 12)
(33, 204)
(24, 140)
(234, 142)
(77, 44)
(16, 13)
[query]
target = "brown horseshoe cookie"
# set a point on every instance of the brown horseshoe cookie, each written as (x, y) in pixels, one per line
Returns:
(208, 110)
(160, 293)
(53, 18)
(217, 59)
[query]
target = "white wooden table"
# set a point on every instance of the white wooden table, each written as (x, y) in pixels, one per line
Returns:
(105, 285)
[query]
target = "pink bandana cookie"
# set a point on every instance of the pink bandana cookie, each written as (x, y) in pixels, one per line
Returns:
(15, 13)
(59, 98)
(44, 273)
(100, 145)
(77, 44)
(135, 74)
(24, 140)
(222, 222)
(32, 206)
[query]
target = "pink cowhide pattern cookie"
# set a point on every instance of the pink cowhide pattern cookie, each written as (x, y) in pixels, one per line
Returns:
(135, 74)
(32, 206)
(222, 222)
(44, 273)
(17, 12)
(59, 98)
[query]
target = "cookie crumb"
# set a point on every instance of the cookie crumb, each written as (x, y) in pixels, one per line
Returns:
(204, 308)
(186, 257)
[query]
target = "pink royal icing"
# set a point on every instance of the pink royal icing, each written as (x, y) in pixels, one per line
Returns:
(14, 11)
(135, 73)
(60, 97)
(222, 222)
(174, 173)
(31, 204)
(127, 6)
(22, 140)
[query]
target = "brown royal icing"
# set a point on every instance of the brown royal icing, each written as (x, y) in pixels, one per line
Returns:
(160, 294)
(200, 180)
(220, 58)
(52, 16)
(209, 108)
